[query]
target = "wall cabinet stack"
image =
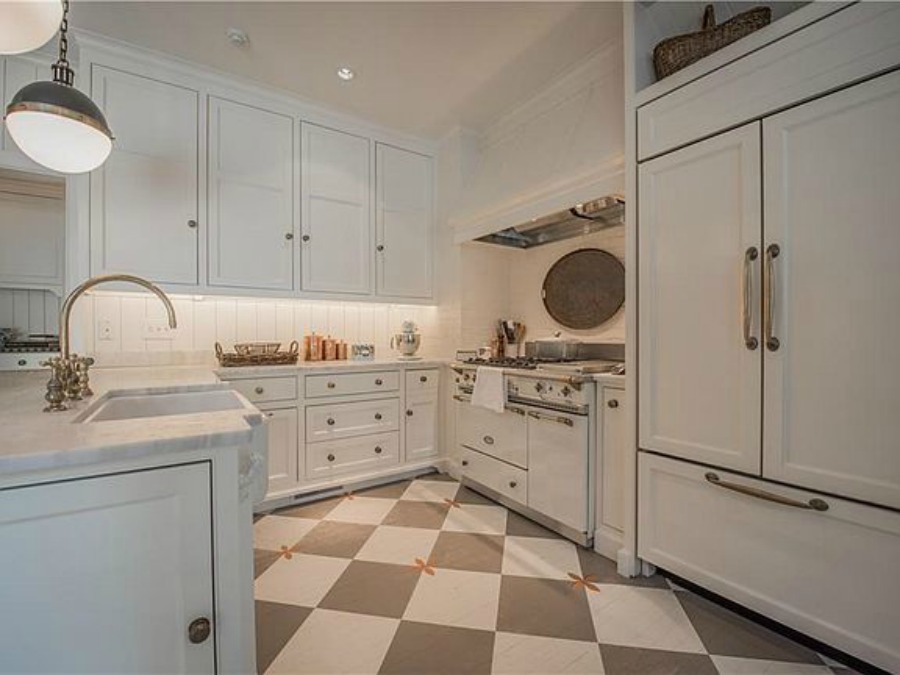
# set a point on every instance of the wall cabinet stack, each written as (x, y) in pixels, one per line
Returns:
(768, 295)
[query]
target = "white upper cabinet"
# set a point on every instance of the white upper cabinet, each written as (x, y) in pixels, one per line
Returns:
(251, 207)
(336, 211)
(699, 380)
(832, 388)
(32, 234)
(15, 73)
(144, 199)
(404, 218)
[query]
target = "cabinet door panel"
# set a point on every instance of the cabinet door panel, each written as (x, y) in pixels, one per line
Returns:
(32, 240)
(144, 197)
(336, 220)
(699, 384)
(404, 223)
(114, 568)
(832, 389)
(251, 207)
(283, 449)
(613, 451)
(421, 425)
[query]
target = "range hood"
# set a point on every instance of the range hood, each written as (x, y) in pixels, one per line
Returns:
(581, 219)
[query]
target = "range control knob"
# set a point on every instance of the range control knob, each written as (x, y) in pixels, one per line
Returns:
(565, 391)
(539, 387)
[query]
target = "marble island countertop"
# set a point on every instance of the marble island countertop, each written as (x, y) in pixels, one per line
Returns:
(310, 367)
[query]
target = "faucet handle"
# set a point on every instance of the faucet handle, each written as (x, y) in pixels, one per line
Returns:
(56, 385)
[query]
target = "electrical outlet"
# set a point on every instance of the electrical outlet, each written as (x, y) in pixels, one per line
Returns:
(158, 330)
(105, 330)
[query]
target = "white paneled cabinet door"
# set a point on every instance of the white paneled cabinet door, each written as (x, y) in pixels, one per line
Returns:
(336, 211)
(283, 449)
(421, 425)
(404, 223)
(611, 467)
(144, 199)
(832, 386)
(700, 370)
(251, 206)
(106, 574)
(32, 235)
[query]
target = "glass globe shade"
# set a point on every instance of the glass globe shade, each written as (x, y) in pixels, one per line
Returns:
(26, 25)
(57, 142)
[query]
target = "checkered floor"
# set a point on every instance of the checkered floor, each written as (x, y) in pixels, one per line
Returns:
(427, 577)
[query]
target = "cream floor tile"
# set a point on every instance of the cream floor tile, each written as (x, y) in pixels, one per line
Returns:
(430, 491)
(545, 558)
(531, 655)
(400, 545)
(336, 642)
(729, 665)
(301, 580)
(367, 510)
(475, 518)
(273, 532)
(642, 617)
(456, 598)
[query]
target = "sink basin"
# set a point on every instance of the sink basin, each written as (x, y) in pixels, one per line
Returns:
(124, 405)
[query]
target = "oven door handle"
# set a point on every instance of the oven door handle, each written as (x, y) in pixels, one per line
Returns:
(559, 419)
(510, 408)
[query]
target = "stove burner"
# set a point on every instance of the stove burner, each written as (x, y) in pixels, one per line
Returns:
(521, 362)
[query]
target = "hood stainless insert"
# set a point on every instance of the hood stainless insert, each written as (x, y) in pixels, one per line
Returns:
(581, 219)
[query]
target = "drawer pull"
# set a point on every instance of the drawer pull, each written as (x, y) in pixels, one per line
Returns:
(462, 399)
(377, 449)
(465, 462)
(22, 362)
(379, 382)
(199, 630)
(423, 379)
(489, 440)
(813, 504)
(517, 411)
(409, 413)
(330, 421)
(513, 484)
(330, 385)
(270, 414)
(378, 416)
(259, 390)
(613, 403)
(330, 458)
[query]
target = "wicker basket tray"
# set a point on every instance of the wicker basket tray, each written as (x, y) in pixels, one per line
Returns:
(232, 359)
(675, 53)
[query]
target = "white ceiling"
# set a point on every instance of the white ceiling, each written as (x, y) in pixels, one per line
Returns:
(422, 67)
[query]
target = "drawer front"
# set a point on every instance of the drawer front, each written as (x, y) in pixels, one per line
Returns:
(500, 435)
(422, 380)
(260, 390)
(341, 384)
(501, 477)
(788, 563)
(351, 455)
(344, 420)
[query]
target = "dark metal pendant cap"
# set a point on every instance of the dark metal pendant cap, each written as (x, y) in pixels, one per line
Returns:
(59, 99)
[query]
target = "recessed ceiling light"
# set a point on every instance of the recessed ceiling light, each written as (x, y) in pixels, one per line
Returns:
(345, 73)
(237, 37)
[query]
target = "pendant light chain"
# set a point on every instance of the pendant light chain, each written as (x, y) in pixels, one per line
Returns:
(62, 72)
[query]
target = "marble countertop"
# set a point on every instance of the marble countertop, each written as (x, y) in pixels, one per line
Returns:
(33, 440)
(309, 367)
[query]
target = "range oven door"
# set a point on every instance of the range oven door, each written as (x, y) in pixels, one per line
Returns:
(499, 435)
(558, 466)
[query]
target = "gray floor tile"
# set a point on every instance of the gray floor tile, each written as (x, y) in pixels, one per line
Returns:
(466, 551)
(262, 560)
(468, 496)
(312, 510)
(633, 661)
(725, 633)
(426, 649)
(603, 571)
(547, 607)
(429, 515)
(519, 526)
(389, 491)
(381, 589)
(275, 625)
(335, 539)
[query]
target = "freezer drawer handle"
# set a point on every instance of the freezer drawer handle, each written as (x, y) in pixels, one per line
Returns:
(550, 418)
(813, 504)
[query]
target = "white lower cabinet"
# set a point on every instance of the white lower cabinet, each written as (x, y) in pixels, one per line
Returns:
(506, 479)
(80, 569)
(828, 573)
(421, 424)
(351, 455)
(284, 472)
(331, 421)
(612, 453)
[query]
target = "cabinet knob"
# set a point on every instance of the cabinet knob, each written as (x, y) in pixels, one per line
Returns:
(379, 248)
(199, 630)
(423, 379)
(259, 390)
(305, 237)
(193, 225)
(489, 440)
(377, 449)
(330, 458)
(612, 403)
(331, 421)
(289, 236)
(378, 416)
(513, 484)
(270, 414)
(22, 362)
(465, 462)
(378, 383)
(409, 413)
(330, 385)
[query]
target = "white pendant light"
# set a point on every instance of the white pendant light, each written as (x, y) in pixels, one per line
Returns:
(26, 25)
(55, 124)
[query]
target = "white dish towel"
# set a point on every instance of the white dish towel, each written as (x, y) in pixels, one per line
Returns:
(490, 389)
